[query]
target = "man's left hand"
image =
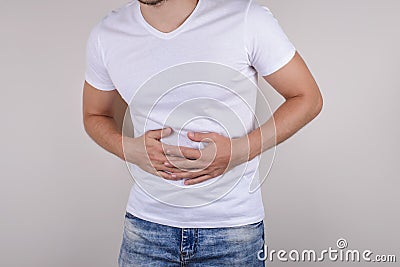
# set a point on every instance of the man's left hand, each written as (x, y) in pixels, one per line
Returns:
(219, 156)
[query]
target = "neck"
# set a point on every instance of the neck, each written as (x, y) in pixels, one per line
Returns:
(168, 14)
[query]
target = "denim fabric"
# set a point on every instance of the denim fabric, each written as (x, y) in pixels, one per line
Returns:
(150, 244)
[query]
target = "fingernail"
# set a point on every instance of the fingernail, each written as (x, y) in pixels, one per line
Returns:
(191, 134)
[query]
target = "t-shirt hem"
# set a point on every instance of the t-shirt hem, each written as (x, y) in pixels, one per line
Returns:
(192, 224)
(99, 87)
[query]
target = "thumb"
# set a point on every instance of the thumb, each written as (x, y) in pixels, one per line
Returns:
(201, 137)
(158, 134)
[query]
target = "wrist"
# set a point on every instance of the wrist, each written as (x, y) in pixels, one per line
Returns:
(119, 145)
(247, 147)
(240, 150)
(131, 149)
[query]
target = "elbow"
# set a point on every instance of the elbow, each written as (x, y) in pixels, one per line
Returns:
(314, 104)
(319, 103)
(87, 122)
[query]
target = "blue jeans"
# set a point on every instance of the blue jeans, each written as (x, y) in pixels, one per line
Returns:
(150, 244)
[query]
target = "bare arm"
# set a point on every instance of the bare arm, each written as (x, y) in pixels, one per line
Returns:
(303, 102)
(98, 119)
(145, 151)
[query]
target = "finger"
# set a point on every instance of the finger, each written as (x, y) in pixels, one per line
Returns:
(163, 175)
(154, 166)
(158, 134)
(202, 137)
(189, 174)
(182, 151)
(198, 180)
(162, 167)
(183, 163)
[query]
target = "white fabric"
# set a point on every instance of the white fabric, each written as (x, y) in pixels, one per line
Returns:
(124, 51)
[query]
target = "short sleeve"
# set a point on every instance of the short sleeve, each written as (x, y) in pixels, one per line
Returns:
(96, 72)
(268, 47)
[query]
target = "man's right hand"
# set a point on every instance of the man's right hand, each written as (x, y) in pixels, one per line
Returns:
(149, 153)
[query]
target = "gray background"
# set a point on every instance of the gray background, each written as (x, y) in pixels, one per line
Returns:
(62, 198)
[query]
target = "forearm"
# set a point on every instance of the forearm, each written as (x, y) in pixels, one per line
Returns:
(289, 118)
(104, 131)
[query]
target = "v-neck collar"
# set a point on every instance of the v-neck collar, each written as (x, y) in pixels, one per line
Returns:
(164, 35)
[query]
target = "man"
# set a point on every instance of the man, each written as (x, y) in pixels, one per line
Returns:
(146, 37)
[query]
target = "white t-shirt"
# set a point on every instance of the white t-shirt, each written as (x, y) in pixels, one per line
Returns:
(124, 52)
